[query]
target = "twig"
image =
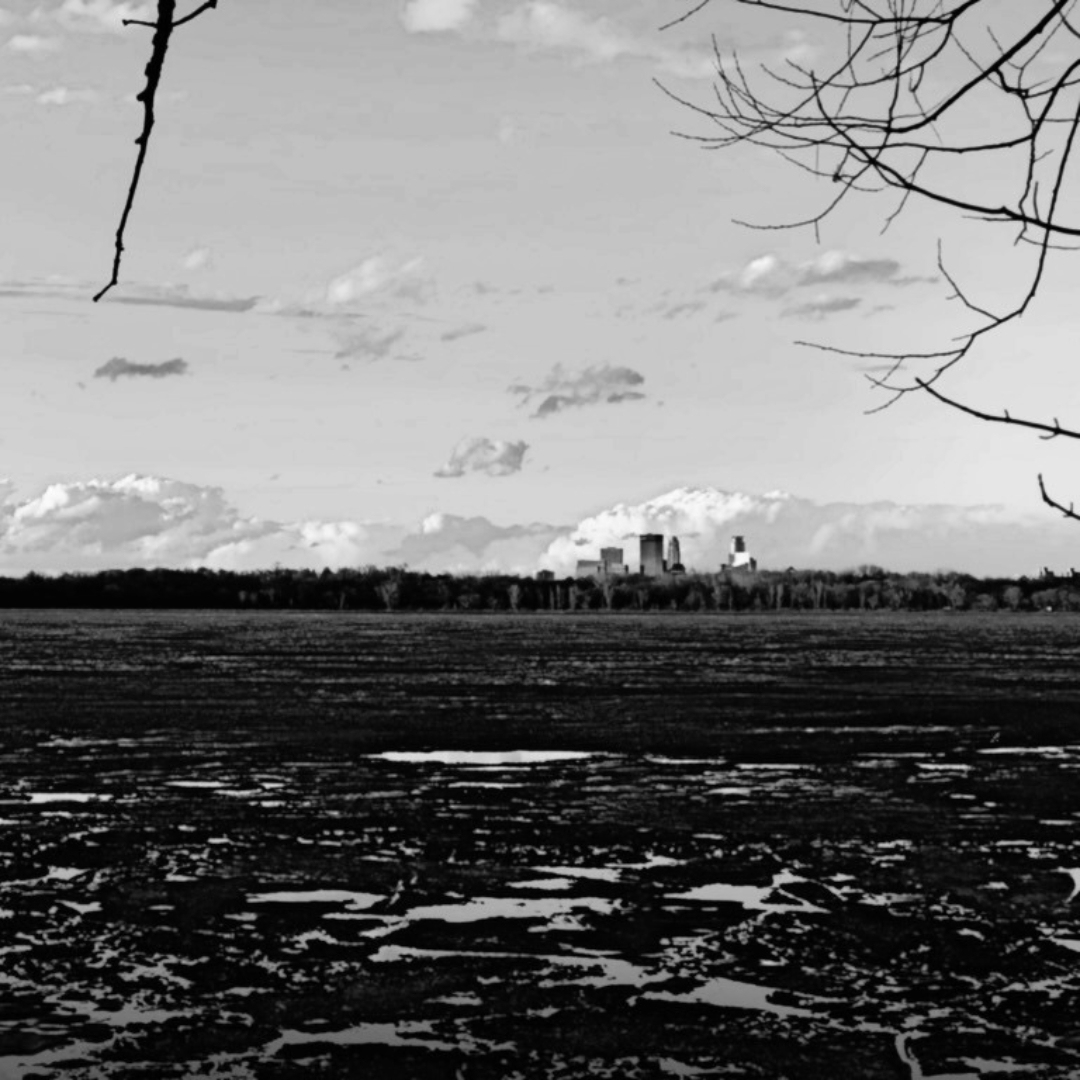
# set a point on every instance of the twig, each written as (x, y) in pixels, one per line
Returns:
(163, 29)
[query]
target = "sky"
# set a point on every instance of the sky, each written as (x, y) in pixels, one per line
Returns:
(436, 282)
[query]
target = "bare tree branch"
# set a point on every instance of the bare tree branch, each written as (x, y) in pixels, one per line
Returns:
(891, 111)
(1067, 511)
(163, 28)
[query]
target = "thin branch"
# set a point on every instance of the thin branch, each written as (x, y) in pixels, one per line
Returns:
(1053, 430)
(1067, 511)
(163, 28)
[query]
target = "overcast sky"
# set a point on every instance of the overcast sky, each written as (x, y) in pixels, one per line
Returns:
(395, 266)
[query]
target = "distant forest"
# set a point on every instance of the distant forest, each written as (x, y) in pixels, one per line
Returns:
(869, 588)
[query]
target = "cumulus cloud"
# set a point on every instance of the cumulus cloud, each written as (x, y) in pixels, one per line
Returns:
(492, 457)
(153, 521)
(821, 307)
(593, 386)
(546, 24)
(118, 368)
(61, 95)
(449, 543)
(433, 16)
(774, 276)
(782, 530)
(33, 44)
(101, 16)
(134, 521)
(377, 274)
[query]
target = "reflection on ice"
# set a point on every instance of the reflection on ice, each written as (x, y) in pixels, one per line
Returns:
(1043, 751)
(753, 897)
(511, 907)
(730, 994)
(482, 757)
(595, 873)
(414, 1033)
(547, 884)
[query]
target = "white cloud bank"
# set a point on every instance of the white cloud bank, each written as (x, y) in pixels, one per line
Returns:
(151, 521)
(783, 530)
(547, 25)
(436, 16)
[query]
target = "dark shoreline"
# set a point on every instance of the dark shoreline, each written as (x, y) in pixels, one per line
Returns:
(372, 588)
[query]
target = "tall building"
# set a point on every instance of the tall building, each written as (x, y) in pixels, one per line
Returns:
(613, 556)
(739, 556)
(674, 553)
(652, 554)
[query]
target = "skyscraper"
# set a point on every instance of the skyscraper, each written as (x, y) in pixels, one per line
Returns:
(674, 553)
(611, 556)
(739, 556)
(652, 554)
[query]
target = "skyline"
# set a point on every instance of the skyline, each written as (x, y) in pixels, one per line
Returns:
(461, 272)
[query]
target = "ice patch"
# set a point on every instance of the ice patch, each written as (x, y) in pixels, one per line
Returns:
(39, 797)
(731, 994)
(594, 873)
(751, 897)
(482, 757)
(542, 883)
(511, 907)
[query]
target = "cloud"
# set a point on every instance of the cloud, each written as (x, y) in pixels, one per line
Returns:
(376, 274)
(545, 24)
(150, 521)
(593, 386)
(821, 307)
(459, 332)
(134, 521)
(101, 16)
(492, 457)
(33, 44)
(367, 343)
(118, 368)
(199, 258)
(773, 276)
(138, 520)
(433, 16)
(61, 95)
(177, 296)
(782, 530)
(449, 543)
(689, 307)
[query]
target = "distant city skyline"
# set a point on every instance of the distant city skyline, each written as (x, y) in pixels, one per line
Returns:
(432, 281)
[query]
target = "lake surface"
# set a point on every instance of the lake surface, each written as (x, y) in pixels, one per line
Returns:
(277, 845)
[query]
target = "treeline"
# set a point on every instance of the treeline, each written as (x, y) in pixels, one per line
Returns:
(868, 588)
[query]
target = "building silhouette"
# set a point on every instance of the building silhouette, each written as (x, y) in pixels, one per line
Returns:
(610, 564)
(738, 557)
(652, 562)
(652, 554)
(674, 557)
